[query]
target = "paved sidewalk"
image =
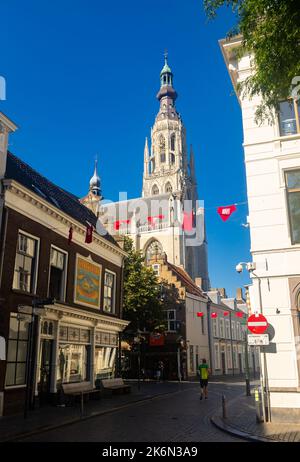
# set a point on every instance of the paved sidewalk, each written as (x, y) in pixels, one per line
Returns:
(50, 417)
(241, 421)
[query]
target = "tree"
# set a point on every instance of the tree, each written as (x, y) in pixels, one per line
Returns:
(270, 31)
(142, 302)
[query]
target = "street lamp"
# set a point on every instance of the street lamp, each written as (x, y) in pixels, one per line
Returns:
(251, 266)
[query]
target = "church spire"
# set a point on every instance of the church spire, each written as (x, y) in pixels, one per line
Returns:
(166, 82)
(95, 182)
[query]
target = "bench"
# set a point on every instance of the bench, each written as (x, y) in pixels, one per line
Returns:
(79, 389)
(115, 386)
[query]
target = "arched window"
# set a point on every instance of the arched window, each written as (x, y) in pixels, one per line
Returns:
(154, 249)
(172, 158)
(155, 190)
(173, 139)
(168, 187)
(162, 144)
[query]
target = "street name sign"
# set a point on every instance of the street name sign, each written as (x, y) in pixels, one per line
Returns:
(258, 340)
(257, 323)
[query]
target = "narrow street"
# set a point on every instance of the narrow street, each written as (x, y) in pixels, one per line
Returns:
(176, 417)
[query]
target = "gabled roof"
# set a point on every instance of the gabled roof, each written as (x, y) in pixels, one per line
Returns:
(186, 280)
(63, 200)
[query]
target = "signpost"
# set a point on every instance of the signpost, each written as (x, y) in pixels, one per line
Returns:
(258, 324)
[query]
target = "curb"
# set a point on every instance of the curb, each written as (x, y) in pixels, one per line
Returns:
(40, 430)
(220, 423)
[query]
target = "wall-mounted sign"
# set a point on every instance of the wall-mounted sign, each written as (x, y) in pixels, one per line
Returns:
(87, 283)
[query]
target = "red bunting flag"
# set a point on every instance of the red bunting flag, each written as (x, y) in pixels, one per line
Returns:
(70, 235)
(89, 234)
(239, 314)
(118, 223)
(226, 211)
(200, 314)
(151, 220)
(226, 313)
(214, 314)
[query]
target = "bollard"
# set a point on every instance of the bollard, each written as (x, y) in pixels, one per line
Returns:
(258, 405)
(224, 407)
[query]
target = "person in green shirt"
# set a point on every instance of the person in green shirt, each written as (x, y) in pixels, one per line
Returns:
(204, 372)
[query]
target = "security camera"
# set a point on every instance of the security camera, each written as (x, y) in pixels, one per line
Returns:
(239, 268)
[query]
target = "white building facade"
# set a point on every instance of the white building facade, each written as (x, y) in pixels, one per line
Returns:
(272, 160)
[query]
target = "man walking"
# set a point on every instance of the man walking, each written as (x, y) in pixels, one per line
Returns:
(204, 372)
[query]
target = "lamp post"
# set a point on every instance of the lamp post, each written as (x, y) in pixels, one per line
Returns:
(263, 371)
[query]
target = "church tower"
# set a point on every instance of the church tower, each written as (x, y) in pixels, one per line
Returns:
(93, 199)
(166, 164)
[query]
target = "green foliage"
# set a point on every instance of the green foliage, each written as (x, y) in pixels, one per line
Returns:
(271, 33)
(142, 302)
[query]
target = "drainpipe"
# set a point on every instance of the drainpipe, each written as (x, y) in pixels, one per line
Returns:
(209, 333)
(231, 344)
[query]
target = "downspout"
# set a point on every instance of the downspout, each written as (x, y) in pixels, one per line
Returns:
(231, 344)
(209, 334)
(4, 221)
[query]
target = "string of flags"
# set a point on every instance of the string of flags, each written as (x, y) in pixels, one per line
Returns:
(214, 314)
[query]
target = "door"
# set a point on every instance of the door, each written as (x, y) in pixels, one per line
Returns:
(240, 363)
(223, 363)
(45, 370)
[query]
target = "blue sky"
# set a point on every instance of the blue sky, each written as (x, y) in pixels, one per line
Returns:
(82, 76)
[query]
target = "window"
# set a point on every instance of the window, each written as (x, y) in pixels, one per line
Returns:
(171, 319)
(202, 325)
(153, 250)
(25, 263)
(222, 328)
(109, 292)
(238, 331)
(72, 363)
(217, 356)
(163, 158)
(156, 269)
(57, 274)
(104, 361)
(293, 198)
(162, 144)
(155, 190)
(173, 138)
(172, 158)
(289, 117)
(168, 188)
(227, 328)
(17, 352)
(215, 327)
(233, 330)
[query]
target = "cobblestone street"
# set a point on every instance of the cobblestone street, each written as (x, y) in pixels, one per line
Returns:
(176, 417)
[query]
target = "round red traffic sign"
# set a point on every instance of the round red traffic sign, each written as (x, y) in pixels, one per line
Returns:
(257, 323)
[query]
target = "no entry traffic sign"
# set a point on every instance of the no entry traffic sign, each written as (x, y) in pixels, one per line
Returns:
(257, 324)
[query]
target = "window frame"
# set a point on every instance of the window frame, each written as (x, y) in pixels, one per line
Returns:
(113, 310)
(17, 340)
(65, 276)
(171, 320)
(36, 263)
(294, 103)
(288, 192)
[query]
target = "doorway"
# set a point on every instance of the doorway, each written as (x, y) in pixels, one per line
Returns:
(240, 363)
(223, 363)
(45, 370)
